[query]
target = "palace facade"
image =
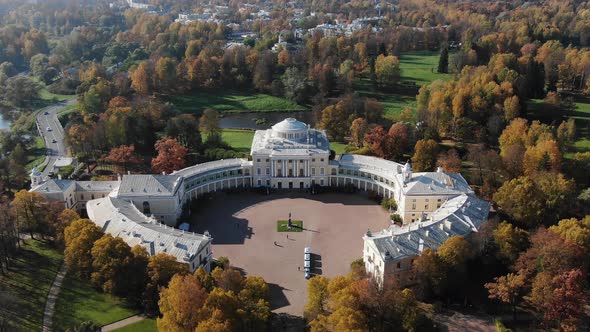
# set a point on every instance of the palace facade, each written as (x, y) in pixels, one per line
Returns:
(143, 209)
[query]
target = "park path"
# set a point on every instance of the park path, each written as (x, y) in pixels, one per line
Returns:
(52, 298)
(122, 323)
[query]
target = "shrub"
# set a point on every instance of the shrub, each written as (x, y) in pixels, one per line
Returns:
(396, 218)
(389, 204)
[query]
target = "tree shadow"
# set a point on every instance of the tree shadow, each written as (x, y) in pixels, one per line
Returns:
(278, 299)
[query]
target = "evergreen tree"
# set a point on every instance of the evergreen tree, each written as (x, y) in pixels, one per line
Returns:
(443, 61)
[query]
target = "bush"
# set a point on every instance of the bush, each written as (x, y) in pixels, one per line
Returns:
(389, 204)
(396, 218)
(500, 326)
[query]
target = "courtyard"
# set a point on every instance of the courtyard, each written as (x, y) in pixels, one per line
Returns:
(244, 229)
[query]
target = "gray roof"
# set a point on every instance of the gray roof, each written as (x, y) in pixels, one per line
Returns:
(96, 185)
(147, 184)
(121, 218)
(458, 216)
(265, 142)
(54, 186)
(433, 183)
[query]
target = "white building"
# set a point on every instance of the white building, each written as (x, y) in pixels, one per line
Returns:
(142, 209)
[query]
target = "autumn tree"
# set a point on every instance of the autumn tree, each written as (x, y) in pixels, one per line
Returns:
(228, 279)
(520, 198)
(63, 220)
(424, 158)
(511, 241)
(180, 304)
(399, 137)
(123, 155)
(430, 274)
(166, 73)
(508, 289)
(443, 61)
(378, 141)
(80, 236)
(566, 303)
(209, 122)
(142, 78)
(358, 130)
(28, 209)
(387, 70)
(171, 156)
(160, 269)
(575, 231)
(449, 161)
(317, 294)
(335, 120)
(110, 258)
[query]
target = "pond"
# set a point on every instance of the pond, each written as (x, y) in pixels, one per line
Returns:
(248, 120)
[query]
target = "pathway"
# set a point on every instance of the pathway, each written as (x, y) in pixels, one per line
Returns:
(122, 323)
(52, 298)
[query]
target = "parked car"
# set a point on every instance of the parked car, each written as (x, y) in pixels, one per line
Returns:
(53, 141)
(307, 250)
(307, 257)
(307, 275)
(48, 128)
(307, 265)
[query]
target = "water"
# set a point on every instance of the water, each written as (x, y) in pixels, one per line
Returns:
(4, 123)
(248, 120)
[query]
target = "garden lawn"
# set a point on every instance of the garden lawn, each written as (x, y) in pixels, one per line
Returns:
(23, 290)
(239, 139)
(146, 325)
(340, 148)
(79, 302)
(36, 153)
(225, 100)
(421, 67)
(283, 226)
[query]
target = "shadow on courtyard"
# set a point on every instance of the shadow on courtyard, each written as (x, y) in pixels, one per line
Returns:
(278, 298)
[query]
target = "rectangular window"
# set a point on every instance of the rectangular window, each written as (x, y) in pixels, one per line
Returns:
(313, 171)
(268, 171)
(313, 160)
(322, 171)
(267, 160)
(426, 207)
(258, 160)
(257, 170)
(413, 206)
(268, 183)
(259, 183)
(399, 265)
(322, 160)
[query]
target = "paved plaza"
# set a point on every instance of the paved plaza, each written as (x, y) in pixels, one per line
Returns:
(244, 228)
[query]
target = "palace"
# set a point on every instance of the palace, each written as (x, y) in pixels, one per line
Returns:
(143, 209)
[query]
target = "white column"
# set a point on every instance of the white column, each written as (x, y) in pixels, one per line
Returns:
(272, 168)
(285, 171)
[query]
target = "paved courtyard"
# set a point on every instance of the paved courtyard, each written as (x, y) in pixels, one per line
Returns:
(244, 229)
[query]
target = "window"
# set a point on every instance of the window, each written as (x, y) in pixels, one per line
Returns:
(258, 171)
(146, 208)
(267, 160)
(399, 265)
(268, 183)
(437, 206)
(321, 182)
(92, 196)
(258, 160)
(438, 200)
(426, 207)
(268, 171)
(413, 206)
(322, 171)
(313, 171)
(414, 200)
(82, 196)
(259, 183)
(313, 160)
(322, 160)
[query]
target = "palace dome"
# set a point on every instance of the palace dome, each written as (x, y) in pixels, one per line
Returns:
(290, 128)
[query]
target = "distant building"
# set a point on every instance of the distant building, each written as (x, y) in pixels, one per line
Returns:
(143, 208)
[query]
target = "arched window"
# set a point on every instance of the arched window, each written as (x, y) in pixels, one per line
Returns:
(146, 208)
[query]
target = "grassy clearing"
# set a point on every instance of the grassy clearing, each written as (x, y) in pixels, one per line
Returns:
(239, 139)
(24, 288)
(393, 103)
(146, 325)
(537, 110)
(340, 147)
(283, 226)
(231, 101)
(36, 153)
(421, 67)
(79, 302)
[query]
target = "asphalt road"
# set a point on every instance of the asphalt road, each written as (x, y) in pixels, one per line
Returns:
(53, 134)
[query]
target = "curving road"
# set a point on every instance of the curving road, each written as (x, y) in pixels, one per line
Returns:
(52, 132)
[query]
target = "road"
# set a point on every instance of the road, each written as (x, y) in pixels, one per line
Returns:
(53, 134)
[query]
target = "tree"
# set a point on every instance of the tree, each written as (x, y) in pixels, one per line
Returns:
(171, 156)
(511, 241)
(28, 209)
(358, 130)
(378, 142)
(574, 230)
(567, 300)
(430, 274)
(424, 158)
(335, 120)
(228, 279)
(449, 161)
(166, 73)
(64, 219)
(511, 108)
(455, 251)
(209, 122)
(255, 306)
(399, 136)
(205, 279)
(142, 78)
(295, 84)
(508, 289)
(111, 257)
(160, 269)
(544, 156)
(80, 236)
(185, 129)
(387, 70)
(9, 237)
(317, 294)
(520, 199)
(224, 304)
(20, 91)
(123, 155)
(180, 304)
(443, 61)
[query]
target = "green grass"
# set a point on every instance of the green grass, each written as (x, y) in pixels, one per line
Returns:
(340, 147)
(421, 67)
(232, 101)
(23, 291)
(240, 140)
(44, 94)
(79, 302)
(146, 325)
(393, 103)
(283, 226)
(36, 153)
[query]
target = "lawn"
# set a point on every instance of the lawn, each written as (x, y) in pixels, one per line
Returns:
(283, 226)
(36, 153)
(581, 114)
(225, 100)
(79, 302)
(421, 67)
(239, 139)
(340, 147)
(23, 290)
(146, 325)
